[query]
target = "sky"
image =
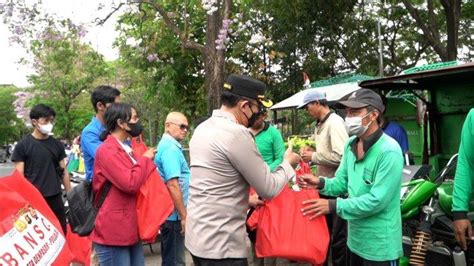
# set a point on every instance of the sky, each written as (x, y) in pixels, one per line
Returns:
(79, 11)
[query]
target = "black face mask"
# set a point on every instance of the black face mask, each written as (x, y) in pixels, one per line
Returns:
(135, 129)
(253, 118)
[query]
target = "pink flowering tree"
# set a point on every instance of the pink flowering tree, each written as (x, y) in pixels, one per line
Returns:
(212, 50)
(20, 106)
(65, 68)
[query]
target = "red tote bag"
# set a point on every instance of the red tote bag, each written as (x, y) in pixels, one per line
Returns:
(283, 231)
(30, 233)
(154, 203)
(303, 169)
(81, 247)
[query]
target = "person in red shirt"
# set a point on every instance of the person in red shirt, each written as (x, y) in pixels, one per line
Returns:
(115, 235)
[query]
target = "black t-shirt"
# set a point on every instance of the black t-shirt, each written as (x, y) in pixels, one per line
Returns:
(40, 164)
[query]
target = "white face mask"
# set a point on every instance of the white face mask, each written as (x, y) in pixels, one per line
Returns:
(354, 125)
(46, 129)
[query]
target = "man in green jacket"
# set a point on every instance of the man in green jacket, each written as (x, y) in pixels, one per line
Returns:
(463, 182)
(371, 174)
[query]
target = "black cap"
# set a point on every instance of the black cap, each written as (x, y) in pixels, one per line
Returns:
(363, 98)
(247, 87)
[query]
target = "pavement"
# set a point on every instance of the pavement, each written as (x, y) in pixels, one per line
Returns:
(6, 169)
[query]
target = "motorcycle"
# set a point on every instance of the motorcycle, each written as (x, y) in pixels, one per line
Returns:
(428, 234)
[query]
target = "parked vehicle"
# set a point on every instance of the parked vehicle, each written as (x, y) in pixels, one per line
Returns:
(3, 155)
(428, 235)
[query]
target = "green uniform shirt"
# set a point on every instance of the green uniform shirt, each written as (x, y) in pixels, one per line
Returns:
(463, 180)
(271, 146)
(372, 208)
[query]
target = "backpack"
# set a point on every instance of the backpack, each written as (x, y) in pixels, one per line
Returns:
(82, 212)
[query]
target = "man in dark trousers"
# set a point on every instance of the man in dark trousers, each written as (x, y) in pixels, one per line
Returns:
(40, 158)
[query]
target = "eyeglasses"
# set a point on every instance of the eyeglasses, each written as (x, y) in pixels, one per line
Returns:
(181, 126)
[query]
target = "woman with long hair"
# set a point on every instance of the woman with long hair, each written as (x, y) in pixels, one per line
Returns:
(115, 235)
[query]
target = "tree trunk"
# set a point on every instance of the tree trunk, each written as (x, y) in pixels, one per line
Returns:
(452, 10)
(67, 125)
(430, 28)
(214, 60)
(214, 77)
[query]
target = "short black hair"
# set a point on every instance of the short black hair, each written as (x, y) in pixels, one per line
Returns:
(116, 111)
(42, 111)
(104, 94)
(229, 99)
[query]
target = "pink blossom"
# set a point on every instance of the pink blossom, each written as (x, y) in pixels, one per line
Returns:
(152, 57)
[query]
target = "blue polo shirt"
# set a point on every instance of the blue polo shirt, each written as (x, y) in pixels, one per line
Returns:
(398, 133)
(171, 164)
(90, 141)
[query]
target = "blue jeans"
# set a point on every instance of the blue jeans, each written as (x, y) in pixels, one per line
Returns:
(172, 244)
(120, 255)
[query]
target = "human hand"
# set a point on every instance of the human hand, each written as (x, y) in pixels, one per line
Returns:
(462, 229)
(183, 225)
(308, 180)
(315, 208)
(150, 153)
(292, 158)
(254, 201)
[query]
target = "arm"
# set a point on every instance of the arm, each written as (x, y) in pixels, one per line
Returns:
(66, 179)
(20, 167)
(90, 142)
(115, 166)
(278, 148)
(404, 140)
(247, 160)
(169, 164)
(385, 187)
(18, 157)
(337, 185)
(177, 197)
(464, 171)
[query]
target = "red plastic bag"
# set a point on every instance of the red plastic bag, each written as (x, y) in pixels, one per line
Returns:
(154, 203)
(81, 247)
(30, 233)
(303, 169)
(139, 146)
(283, 231)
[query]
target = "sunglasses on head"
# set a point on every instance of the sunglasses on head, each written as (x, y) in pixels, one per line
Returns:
(181, 126)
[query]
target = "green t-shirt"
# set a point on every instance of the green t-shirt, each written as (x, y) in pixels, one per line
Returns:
(271, 146)
(463, 180)
(372, 208)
